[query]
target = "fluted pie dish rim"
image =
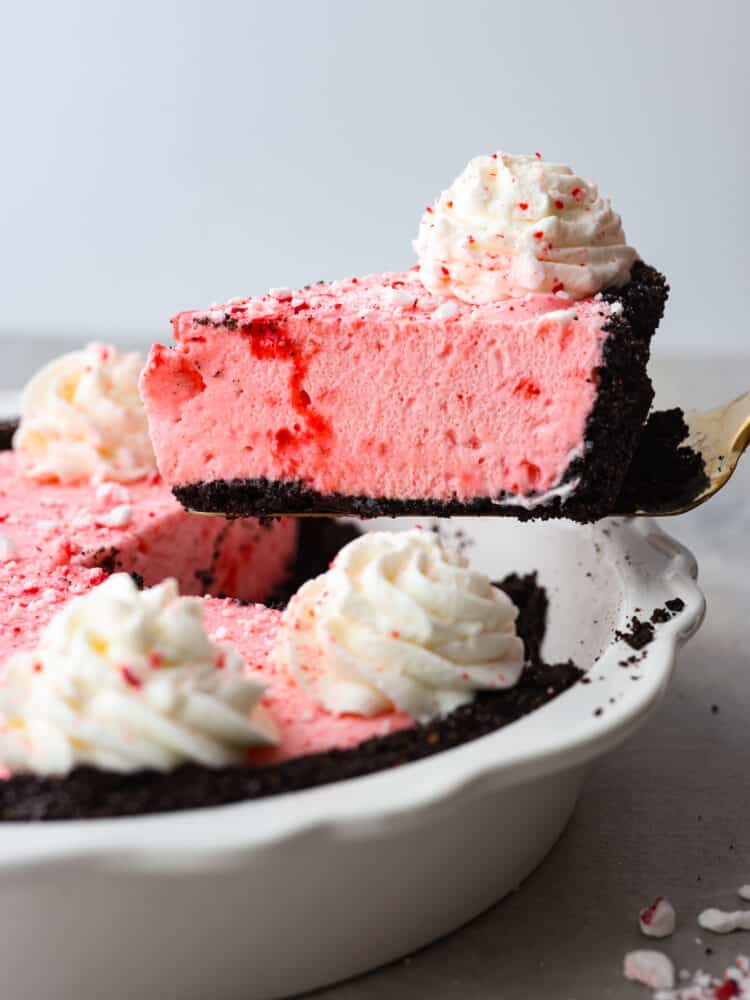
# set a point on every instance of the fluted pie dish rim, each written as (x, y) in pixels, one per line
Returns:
(577, 726)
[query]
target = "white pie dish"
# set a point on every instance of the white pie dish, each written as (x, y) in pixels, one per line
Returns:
(268, 898)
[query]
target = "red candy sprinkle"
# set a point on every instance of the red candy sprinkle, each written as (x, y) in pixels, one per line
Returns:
(647, 915)
(538, 156)
(523, 205)
(559, 203)
(129, 677)
(576, 193)
(527, 388)
(727, 990)
(533, 471)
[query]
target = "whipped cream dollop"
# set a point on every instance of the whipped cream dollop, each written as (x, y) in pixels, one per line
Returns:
(82, 418)
(513, 225)
(399, 621)
(124, 679)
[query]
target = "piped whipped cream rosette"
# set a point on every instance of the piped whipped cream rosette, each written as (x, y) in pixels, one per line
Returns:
(400, 621)
(510, 225)
(124, 679)
(82, 419)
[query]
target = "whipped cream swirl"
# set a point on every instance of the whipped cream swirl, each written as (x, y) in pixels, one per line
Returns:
(513, 225)
(399, 621)
(124, 679)
(82, 419)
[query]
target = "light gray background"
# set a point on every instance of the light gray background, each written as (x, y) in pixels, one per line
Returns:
(159, 154)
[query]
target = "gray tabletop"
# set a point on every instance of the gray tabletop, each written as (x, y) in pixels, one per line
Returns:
(668, 813)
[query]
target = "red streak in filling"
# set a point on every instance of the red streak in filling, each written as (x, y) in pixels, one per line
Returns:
(268, 342)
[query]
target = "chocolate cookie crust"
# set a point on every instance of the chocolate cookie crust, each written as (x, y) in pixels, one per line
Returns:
(7, 429)
(88, 793)
(665, 474)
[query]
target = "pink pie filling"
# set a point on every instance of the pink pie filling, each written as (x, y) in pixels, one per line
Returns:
(304, 727)
(61, 540)
(375, 387)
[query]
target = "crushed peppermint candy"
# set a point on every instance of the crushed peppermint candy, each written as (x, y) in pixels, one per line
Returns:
(700, 985)
(397, 297)
(281, 294)
(724, 922)
(118, 517)
(112, 493)
(448, 310)
(658, 920)
(652, 968)
(8, 549)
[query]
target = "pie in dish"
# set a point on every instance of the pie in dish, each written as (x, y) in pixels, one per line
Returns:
(120, 696)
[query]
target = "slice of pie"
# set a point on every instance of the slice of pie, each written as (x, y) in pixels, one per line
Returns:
(505, 374)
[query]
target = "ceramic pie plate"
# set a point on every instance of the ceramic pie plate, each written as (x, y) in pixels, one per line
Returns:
(282, 895)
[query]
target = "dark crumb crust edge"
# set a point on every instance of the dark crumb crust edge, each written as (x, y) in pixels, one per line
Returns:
(88, 793)
(7, 430)
(665, 474)
(624, 396)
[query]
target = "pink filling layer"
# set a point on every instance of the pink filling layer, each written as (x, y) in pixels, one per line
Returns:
(61, 540)
(304, 727)
(361, 387)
